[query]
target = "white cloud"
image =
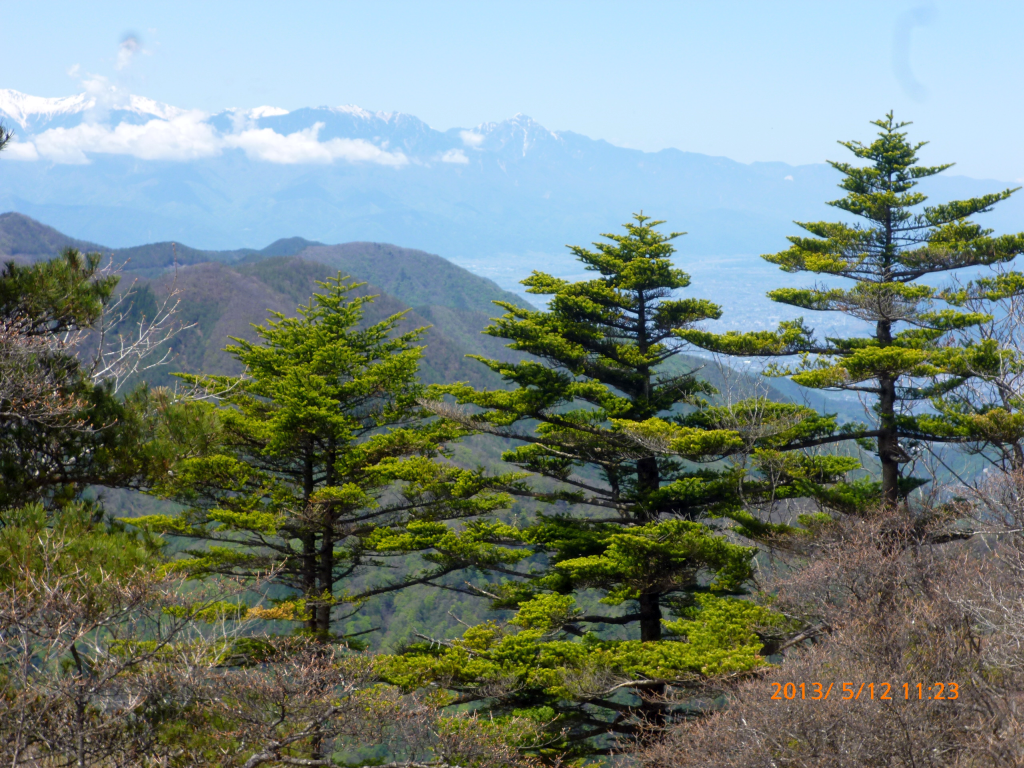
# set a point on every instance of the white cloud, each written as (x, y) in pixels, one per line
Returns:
(304, 147)
(20, 150)
(74, 69)
(471, 139)
(177, 135)
(454, 156)
(787, 178)
(185, 137)
(103, 96)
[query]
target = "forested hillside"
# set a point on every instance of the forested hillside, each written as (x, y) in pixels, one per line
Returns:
(224, 293)
(352, 505)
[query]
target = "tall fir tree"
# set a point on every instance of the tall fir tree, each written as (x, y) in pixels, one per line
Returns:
(619, 438)
(300, 458)
(911, 357)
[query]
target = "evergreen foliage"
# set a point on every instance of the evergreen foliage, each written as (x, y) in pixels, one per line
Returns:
(298, 460)
(911, 357)
(329, 472)
(631, 457)
(988, 412)
(59, 431)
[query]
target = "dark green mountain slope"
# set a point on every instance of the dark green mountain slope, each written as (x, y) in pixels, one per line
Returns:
(26, 240)
(155, 257)
(223, 301)
(415, 277)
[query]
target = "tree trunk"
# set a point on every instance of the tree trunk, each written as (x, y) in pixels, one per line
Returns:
(650, 617)
(79, 709)
(309, 579)
(648, 480)
(309, 569)
(326, 565)
(326, 574)
(889, 451)
(888, 443)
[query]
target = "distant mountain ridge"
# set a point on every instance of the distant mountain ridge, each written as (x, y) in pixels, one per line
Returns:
(500, 199)
(26, 240)
(224, 293)
(414, 277)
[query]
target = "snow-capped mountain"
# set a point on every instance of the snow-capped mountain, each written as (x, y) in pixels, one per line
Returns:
(31, 111)
(501, 198)
(71, 130)
(37, 114)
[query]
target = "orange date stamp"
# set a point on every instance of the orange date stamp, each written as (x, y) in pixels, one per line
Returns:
(868, 691)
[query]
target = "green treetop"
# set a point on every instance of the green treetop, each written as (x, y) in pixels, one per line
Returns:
(601, 423)
(302, 456)
(910, 356)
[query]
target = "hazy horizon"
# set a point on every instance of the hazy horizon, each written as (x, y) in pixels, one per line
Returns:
(750, 82)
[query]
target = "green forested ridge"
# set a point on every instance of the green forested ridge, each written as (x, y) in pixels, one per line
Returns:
(372, 522)
(24, 239)
(225, 292)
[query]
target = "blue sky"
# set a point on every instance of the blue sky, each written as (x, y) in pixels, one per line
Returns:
(747, 80)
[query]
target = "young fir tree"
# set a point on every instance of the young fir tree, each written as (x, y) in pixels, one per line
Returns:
(911, 356)
(601, 423)
(302, 456)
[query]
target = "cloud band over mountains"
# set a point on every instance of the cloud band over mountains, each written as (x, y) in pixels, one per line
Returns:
(107, 121)
(189, 137)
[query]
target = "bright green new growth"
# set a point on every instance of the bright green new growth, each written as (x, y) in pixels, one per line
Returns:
(297, 462)
(634, 459)
(909, 359)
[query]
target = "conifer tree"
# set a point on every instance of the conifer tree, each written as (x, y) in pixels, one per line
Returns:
(303, 455)
(60, 432)
(620, 440)
(910, 358)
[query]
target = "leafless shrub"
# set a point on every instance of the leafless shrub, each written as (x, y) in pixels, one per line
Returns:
(140, 669)
(40, 366)
(894, 608)
(33, 376)
(86, 657)
(124, 343)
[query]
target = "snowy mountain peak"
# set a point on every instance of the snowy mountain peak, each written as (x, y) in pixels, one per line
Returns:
(143, 106)
(107, 120)
(354, 111)
(27, 110)
(518, 123)
(364, 114)
(257, 112)
(519, 134)
(21, 107)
